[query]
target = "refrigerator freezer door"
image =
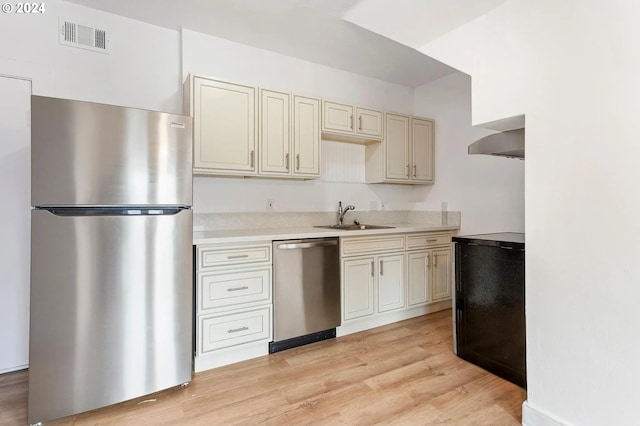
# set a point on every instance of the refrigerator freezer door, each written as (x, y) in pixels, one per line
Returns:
(111, 309)
(88, 154)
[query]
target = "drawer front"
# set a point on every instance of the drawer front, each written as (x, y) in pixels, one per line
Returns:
(355, 246)
(222, 331)
(211, 256)
(419, 241)
(232, 288)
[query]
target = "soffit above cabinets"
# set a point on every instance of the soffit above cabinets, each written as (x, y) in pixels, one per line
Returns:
(312, 30)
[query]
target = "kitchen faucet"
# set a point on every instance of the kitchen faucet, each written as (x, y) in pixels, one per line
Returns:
(341, 212)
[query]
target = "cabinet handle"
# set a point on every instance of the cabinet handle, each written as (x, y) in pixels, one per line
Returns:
(286, 160)
(235, 330)
(414, 170)
(381, 268)
(372, 268)
(432, 241)
(360, 123)
(297, 161)
(408, 167)
(244, 287)
(351, 118)
(253, 159)
(435, 260)
(238, 256)
(428, 261)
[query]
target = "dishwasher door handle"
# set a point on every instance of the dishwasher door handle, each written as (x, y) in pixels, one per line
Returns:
(303, 245)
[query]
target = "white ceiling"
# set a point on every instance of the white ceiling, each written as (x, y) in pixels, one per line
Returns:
(318, 30)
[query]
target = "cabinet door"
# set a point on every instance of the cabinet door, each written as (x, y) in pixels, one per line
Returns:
(419, 277)
(306, 136)
(274, 133)
(357, 287)
(397, 147)
(224, 127)
(422, 150)
(441, 288)
(390, 282)
(337, 117)
(369, 122)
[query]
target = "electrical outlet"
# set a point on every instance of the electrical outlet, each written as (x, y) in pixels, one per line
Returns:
(271, 204)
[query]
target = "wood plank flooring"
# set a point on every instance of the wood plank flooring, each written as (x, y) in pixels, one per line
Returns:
(399, 374)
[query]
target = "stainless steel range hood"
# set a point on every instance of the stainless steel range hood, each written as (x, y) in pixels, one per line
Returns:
(504, 144)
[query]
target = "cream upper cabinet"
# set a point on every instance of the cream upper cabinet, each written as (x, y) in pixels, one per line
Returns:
(337, 117)
(406, 155)
(422, 150)
(275, 128)
(397, 147)
(306, 137)
(289, 135)
(225, 130)
(368, 122)
(344, 122)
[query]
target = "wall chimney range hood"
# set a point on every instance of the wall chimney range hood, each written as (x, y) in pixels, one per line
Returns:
(504, 144)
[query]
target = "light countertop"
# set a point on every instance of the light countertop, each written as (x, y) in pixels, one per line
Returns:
(268, 234)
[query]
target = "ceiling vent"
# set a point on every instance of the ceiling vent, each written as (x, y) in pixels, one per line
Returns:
(83, 36)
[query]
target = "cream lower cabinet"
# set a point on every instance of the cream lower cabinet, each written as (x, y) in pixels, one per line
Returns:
(429, 268)
(372, 284)
(394, 277)
(233, 303)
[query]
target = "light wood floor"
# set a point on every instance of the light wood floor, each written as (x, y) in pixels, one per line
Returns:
(400, 374)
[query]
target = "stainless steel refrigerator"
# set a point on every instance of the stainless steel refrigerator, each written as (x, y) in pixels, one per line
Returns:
(111, 255)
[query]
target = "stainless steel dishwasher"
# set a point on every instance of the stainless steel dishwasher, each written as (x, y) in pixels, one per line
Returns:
(306, 291)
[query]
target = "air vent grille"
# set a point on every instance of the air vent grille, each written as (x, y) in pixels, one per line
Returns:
(83, 36)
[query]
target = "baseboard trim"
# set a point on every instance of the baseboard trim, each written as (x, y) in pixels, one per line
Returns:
(533, 417)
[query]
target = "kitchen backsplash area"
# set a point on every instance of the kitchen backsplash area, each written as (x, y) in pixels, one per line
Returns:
(256, 220)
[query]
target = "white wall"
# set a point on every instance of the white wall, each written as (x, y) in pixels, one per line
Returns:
(489, 191)
(572, 68)
(15, 162)
(143, 69)
(224, 59)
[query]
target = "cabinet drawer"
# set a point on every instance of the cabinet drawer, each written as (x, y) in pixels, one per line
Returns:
(354, 246)
(221, 331)
(233, 288)
(211, 256)
(418, 241)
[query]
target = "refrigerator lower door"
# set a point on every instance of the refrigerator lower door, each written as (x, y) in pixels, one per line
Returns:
(111, 309)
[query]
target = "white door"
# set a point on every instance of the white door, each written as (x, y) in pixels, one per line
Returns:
(419, 274)
(357, 281)
(225, 131)
(337, 117)
(397, 147)
(369, 122)
(306, 136)
(274, 133)
(390, 282)
(15, 173)
(422, 150)
(441, 288)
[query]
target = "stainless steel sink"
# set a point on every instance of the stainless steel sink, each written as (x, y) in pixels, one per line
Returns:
(354, 227)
